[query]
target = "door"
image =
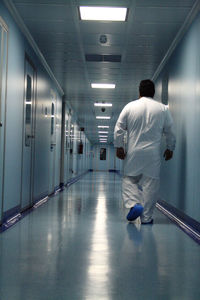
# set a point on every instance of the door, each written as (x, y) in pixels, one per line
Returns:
(103, 159)
(28, 135)
(52, 155)
(67, 147)
(3, 84)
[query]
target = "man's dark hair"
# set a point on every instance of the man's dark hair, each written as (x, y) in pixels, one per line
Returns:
(147, 88)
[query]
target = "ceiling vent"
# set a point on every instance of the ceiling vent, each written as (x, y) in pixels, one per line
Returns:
(102, 58)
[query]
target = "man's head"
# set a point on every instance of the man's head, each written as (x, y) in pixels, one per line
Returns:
(147, 88)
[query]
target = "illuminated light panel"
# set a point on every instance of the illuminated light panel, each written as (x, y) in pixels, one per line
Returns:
(103, 126)
(103, 118)
(102, 104)
(103, 132)
(100, 13)
(103, 136)
(103, 85)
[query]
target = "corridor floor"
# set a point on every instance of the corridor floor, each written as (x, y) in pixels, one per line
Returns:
(79, 246)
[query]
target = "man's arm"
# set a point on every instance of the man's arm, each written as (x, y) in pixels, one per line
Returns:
(170, 137)
(119, 132)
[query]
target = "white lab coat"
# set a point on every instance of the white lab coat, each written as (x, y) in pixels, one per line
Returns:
(145, 121)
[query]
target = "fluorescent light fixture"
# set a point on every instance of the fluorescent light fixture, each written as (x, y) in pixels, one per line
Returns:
(103, 132)
(103, 136)
(103, 141)
(103, 126)
(100, 13)
(102, 104)
(103, 85)
(102, 117)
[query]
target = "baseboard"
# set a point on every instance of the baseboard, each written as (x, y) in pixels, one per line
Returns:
(113, 170)
(14, 215)
(186, 223)
(10, 213)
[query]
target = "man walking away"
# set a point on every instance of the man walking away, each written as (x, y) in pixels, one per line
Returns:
(145, 121)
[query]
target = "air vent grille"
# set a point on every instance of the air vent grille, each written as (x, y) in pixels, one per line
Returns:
(102, 58)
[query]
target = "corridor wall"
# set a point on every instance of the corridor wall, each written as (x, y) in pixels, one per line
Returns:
(18, 52)
(74, 163)
(179, 86)
(45, 159)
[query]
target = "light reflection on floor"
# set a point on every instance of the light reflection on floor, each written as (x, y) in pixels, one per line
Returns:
(79, 246)
(98, 268)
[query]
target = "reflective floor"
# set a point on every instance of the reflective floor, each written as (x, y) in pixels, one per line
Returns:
(79, 245)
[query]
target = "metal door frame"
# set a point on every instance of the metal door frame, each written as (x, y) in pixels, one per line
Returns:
(53, 142)
(4, 30)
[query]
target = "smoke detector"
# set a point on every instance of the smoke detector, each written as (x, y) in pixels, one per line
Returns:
(103, 39)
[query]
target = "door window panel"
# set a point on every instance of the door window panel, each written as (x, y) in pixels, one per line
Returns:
(71, 138)
(102, 153)
(28, 110)
(52, 117)
(66, 134)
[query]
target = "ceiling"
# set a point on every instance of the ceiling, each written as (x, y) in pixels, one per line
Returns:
(64, 40)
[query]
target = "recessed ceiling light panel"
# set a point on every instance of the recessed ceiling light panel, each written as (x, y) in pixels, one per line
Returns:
(100, 13)
(103, 85)
(103, 104)
(102, 117)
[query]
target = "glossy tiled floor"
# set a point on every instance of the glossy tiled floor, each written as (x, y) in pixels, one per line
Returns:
(78, 245)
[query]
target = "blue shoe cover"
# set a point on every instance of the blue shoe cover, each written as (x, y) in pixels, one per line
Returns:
(135, 212)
